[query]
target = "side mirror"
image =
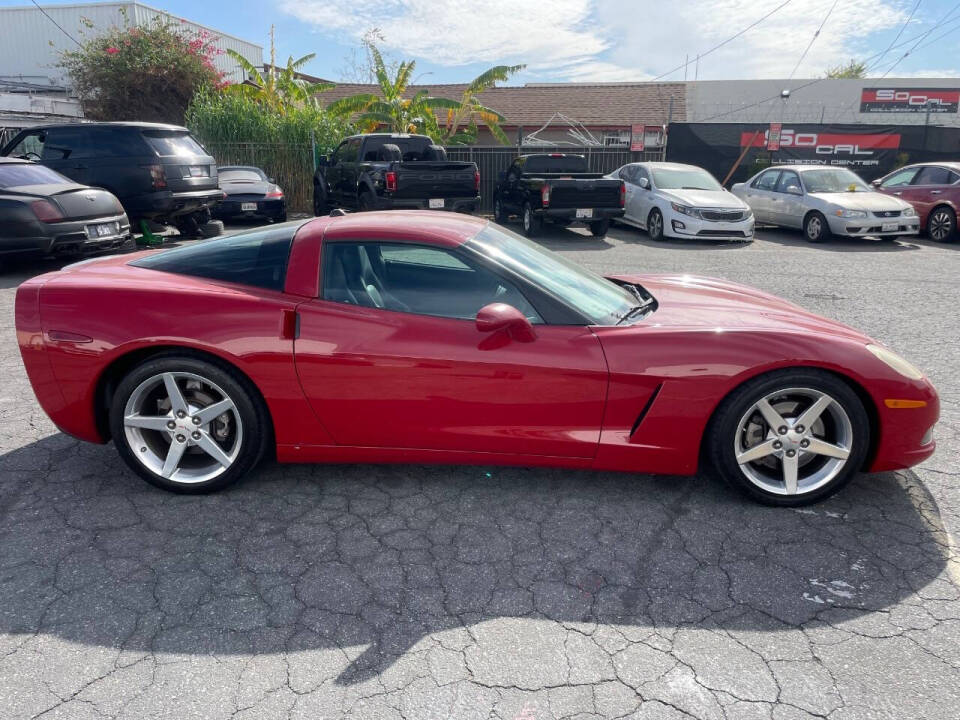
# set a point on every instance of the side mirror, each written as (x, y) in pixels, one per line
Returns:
(794, 190)
(644, 183)
(273, 180)
(500, 316)
(876, 183)
(323, 161)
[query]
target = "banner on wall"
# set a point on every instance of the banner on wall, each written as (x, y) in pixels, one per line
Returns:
(858, 149)
(773, 136)
(637, 137)
(909, 100)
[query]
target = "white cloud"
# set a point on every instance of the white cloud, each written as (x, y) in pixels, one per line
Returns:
(614, 40)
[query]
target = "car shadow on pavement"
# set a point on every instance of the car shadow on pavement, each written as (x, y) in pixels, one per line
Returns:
(369, 560)
(836, 244)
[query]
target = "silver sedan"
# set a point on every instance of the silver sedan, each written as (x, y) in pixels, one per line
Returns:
(825, 201)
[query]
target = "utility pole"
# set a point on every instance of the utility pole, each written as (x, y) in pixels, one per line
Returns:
(696, 71)
(686, 64)
(273, 58)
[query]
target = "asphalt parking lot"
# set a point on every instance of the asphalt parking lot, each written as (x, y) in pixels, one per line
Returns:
(520, 594)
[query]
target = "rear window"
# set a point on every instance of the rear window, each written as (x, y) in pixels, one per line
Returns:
(17, 175)
(173, 144)
(228, 175)
(411, 147)
(555, 164)
(258, 258)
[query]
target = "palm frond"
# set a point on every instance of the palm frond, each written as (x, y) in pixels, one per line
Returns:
(498, 133)
(438, 103)
(352, 104)
(491, 77)
(404, 73)
(247, 66)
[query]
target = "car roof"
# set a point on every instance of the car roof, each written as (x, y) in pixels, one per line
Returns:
(668, 165)
(953, 165)
(221, 168)
(443, 229)
(144, 125)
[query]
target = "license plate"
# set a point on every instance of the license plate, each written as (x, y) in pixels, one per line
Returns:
(436, 203)
(584, 212)
(248, 207)
(199, 171)
(889, 227)
(102, 230)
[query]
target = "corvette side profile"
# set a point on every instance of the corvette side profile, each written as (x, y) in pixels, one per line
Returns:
(413, 336)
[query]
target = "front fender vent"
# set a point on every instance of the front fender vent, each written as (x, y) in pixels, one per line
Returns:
(645, 410)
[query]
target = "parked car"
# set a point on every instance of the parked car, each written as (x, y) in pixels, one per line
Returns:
(933, 189)
(44, 212)
(249, 193)
(825, 201)
(437, 337)
(559, 188)
(391, 171)
(682, 201)
(159, 172)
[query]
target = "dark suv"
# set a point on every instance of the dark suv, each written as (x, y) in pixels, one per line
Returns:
(159, 172)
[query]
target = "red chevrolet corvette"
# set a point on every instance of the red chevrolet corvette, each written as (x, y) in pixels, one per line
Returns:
(436, 337)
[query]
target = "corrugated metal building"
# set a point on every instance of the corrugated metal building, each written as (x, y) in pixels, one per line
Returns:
(30, 40)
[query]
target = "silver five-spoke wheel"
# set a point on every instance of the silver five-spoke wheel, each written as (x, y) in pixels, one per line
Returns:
(183, 427)
(793, 441)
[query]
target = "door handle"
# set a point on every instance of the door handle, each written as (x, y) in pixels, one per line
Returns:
(898, 193)
(936, 192)
(289, 324)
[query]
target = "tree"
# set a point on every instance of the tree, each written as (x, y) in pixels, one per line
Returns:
(147, 72)
(470, 109)
(277, 91)
(853, 70)
(390, 107)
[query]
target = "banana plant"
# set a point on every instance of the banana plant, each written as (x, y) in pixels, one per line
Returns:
(470, 110)
(277, 90)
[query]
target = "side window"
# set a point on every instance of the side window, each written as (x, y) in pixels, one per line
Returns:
(767, 181)
(67, 144)
(628, 173)
(415, 279)
(351, 153)
(900, 178)
(788, 179)
(30, 146)
(642, 174)
(338, 153)
(257, 258)
(116, 143)
(932, 176)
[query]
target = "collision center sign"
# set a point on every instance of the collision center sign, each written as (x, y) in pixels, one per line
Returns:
(856, 149)
(909, 100)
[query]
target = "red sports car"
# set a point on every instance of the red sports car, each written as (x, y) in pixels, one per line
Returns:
(934, 191)
(437, 337)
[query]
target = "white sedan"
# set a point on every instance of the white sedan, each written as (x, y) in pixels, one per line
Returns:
(681, 201)
(825, 201)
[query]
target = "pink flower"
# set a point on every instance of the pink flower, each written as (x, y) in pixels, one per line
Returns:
(112, 51)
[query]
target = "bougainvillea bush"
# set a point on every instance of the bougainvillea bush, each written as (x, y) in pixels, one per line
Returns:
(148, 72)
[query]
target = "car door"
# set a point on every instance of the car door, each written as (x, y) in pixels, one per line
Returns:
(510, 194)
(68, 151)
(759, 195)
(643, 197)
(628, 175)
(332, 173)
(28, 145)
(349, 172)
(390, 356)
(786, 204)
(929, 188)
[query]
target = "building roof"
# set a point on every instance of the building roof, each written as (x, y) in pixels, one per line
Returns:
(594, 105)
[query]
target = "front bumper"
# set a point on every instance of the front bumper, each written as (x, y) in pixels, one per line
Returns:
(905, 434)
(71, 237)
(458, 204)
(167, 204)
(873, 226)
(687, 226)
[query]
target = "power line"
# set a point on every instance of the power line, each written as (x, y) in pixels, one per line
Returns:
(725, 42)
(56, 23)
(814, 38)
(894, 41)
(922, 37)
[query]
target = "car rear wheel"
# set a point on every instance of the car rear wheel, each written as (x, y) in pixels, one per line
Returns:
(366, 201)
(600, 228)
(790, 437)
(532, 225)
(211, 229)
(320, 205)
(655, 225)
(499, 216)
(815, 228)
(186, 425)
(942, 224)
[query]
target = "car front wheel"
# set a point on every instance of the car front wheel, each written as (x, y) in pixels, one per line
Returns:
(815, 228)
(790, 437)
(187, 425)
(532, 225)
(499, 216)
(942, 224)
(655, 225)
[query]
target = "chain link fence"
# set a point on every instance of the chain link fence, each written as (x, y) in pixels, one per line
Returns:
(292, 166)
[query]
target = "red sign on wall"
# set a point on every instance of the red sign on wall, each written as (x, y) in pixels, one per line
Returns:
(636, 137)
(909, 100)
(773, 136)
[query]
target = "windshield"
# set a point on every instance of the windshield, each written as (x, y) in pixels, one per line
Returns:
(684, 179)
(555, 164)
(833, 180)
(601, 300)
(16, 175)
(227, 175)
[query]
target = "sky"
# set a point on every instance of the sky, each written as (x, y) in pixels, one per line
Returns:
(600, 40)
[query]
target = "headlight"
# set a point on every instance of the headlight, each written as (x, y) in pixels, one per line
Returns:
(892, 360)
(685, 210)
(851, 213)
(747, 214)
(909, 212)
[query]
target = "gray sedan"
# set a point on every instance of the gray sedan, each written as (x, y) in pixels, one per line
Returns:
(825, 201)
(43, 211)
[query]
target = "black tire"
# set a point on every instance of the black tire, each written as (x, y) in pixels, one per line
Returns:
(366, 201)
(599, 228)
(655, 225)
(389, 153)
(320, 205)
(188, 227)
(724, 432)
(211, 229)
(532, 224)
(434, 152)
(281, 218)
(251, 410)
(499, 215)
(815, 228)
(942, 224)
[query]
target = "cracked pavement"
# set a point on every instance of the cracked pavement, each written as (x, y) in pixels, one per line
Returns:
(517, 594)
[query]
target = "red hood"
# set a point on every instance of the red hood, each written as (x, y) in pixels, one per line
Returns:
(692, 301)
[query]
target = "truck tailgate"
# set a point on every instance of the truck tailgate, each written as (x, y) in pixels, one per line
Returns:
(439, 179)
(584, 193)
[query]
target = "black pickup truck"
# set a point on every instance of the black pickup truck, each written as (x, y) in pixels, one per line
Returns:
(557, 187)
(386, 171)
